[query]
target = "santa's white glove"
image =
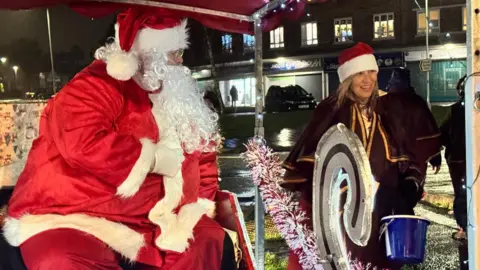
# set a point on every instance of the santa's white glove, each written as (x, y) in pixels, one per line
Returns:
(167, 161)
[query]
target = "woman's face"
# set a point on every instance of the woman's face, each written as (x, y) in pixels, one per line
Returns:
(363, 84)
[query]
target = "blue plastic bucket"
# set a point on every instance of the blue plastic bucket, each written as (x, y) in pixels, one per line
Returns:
(405, 238)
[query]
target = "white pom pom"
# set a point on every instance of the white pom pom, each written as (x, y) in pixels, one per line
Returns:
(122, 65)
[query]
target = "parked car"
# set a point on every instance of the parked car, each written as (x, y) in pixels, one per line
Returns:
(39, 93)
(288, 98)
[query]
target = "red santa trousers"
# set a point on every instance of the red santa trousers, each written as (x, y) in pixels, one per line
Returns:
(73, 249)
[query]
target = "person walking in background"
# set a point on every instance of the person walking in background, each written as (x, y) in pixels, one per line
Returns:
(453, 138)
(234, 96)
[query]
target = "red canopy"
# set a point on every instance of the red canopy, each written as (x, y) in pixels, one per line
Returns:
(224, 15)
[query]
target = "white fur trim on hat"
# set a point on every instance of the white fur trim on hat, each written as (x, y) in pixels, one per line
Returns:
(123, 65)
(358, 64)
(165, 40)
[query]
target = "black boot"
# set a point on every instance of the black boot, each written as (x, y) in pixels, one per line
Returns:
(228, 258)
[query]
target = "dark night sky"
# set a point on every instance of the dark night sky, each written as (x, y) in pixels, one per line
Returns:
(68, 28)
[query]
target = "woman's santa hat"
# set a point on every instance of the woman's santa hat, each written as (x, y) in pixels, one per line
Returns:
(356, 59)
(140, 30)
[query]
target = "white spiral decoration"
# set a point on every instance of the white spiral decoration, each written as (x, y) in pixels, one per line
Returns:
(341, 158)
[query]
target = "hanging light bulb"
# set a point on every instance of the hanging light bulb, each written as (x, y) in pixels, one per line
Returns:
(308, 14)
(282, 6)
(291, 9)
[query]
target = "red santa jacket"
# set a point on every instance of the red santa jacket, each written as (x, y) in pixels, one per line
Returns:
(88, 170)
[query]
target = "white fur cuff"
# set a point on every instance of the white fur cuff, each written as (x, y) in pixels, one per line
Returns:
(168, 161)
(177, 238)
(119, 237)
(137, 175)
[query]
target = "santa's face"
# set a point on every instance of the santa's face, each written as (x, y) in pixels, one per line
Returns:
(175, 58)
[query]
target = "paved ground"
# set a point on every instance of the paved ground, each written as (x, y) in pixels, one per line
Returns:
(442, 251)
(440, 183)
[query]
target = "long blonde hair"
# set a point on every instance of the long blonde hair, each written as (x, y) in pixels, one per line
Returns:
(344, 92)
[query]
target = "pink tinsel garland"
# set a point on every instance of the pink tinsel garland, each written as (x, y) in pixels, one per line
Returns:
(280, 204)
(267, 172)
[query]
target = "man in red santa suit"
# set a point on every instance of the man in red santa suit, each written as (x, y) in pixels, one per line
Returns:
(125, 163)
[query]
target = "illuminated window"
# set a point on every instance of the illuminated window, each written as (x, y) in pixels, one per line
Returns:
(227, 43)
(276, 38)
(309, 34)
(464, 12)
(248, 42)
(434, 22)
(383, 26)
(343, 30)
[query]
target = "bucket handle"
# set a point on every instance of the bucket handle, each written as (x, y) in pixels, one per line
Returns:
(383, 228)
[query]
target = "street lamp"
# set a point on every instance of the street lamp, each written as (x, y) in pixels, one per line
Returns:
(15, 69)
(3, 60)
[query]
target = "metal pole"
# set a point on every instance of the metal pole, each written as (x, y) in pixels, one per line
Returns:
(259, 133)
(427, 34)
(51, 52)
(472, 133)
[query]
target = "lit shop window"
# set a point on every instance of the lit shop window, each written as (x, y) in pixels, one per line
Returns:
(434, 22)
(383, 26)
(309, 34)
(227, 43)
(276, 38)
(343, 30)
(248, 42)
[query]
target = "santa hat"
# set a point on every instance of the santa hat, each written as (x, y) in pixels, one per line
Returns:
(139, 30)
(356, 59)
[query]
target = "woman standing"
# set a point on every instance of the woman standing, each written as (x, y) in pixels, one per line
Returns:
(355, 105)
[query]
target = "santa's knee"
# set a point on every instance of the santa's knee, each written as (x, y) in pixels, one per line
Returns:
(49, 258)
(67, 249)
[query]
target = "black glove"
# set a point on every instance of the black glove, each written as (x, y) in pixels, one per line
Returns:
(5, 194)
(436, 160)
(411, 192)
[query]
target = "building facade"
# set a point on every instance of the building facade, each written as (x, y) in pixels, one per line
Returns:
(305, 52)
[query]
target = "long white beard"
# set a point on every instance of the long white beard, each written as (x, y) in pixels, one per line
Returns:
(181, 111)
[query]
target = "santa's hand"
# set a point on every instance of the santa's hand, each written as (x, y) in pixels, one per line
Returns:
(167, 161)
